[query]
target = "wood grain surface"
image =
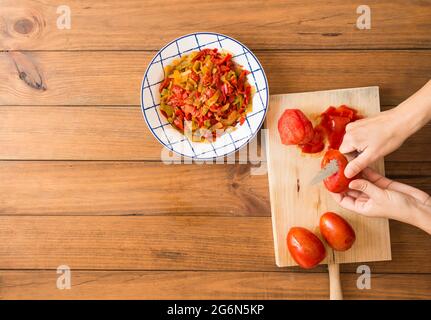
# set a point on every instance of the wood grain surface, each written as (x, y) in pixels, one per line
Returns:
(172, 243)
(81, 178)
(150, 24)
(205, 285)
(120, 133)
(128, 187)
(114, 77)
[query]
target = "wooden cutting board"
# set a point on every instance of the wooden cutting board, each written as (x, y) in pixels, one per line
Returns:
(294, 202)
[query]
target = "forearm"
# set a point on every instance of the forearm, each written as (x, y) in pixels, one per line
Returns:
(422, 217)
(414, 112)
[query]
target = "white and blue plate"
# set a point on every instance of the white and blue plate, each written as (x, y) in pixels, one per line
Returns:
(230, 141)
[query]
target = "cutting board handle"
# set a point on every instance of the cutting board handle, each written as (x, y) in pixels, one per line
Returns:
(335, 292)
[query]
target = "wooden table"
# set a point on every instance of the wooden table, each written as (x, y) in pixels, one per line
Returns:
(81, 181)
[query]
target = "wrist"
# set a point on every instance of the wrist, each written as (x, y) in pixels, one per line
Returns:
(400, 128)
(415, 112)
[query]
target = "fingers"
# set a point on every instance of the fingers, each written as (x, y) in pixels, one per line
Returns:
(376, 178)
(371, 174)
(353, 193)
(366, 187)
(346, 147)
(337, 196)
(358, 164)
(348, 144)
(419, 195)
(385, 183)
(344, 201)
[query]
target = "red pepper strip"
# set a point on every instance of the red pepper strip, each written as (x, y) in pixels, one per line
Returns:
(194, 76)
(164, 84)
(164, 113)
(247, 94)
(241, 80)
(225, 59)
(200, 55)
(179, 123)
(177, 90)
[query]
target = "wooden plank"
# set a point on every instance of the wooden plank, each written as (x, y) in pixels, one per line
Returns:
(114, 78)
(206, 285)
(406, 170)
(120, 133)
(294, 202)
(129, 188)
(124, 188)
(171, 243)
(138, 25)
(76, 133)
(413, 150)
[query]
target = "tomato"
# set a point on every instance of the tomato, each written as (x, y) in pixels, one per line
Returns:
(305, 247)
(338, 182)
(294, 127)
(337, 232)
(334, 121)
(338, 130)
(316, 144)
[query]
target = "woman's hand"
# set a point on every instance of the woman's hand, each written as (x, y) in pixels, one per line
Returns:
(377, 196)
(373, 138)
(378, 136)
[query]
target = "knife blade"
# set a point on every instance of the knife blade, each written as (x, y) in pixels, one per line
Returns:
(327, 171)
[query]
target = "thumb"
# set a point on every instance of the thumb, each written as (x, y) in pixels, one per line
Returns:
(366, 187)
(357, 165)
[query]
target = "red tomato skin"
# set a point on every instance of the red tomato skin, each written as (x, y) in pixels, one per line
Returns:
(305, 247)
(317, 144)
(338, 182)
(294, 127)
(337, 232)
(334, 121)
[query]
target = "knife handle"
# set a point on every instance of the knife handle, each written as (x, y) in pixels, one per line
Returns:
(352, 155)
(335, 292)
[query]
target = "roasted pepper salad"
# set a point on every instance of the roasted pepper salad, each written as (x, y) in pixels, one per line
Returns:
(205, 94)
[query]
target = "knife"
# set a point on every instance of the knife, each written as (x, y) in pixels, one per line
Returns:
(327, 171)
(332, 167)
